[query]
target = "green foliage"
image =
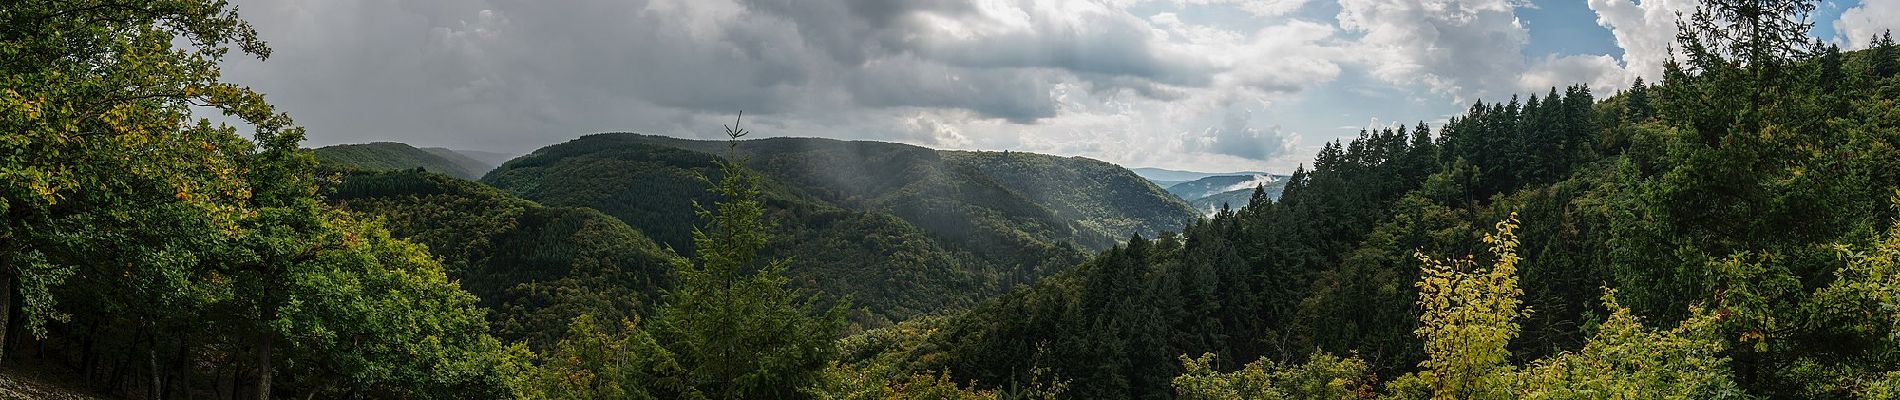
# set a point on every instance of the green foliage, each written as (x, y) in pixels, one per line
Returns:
(536, 268)
(1636, 107)
(138, 234)
(376, 316)
(1623, 359)
(1469, 315)
(1323, 376)
(1860, 310)
(604, 362)
(843, 383)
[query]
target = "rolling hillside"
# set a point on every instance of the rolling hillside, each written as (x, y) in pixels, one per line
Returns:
(534, 267)
(396, 156)
(476, 163)
(892, 269)
(1052, 199)
(907, 230)
(1104, 198)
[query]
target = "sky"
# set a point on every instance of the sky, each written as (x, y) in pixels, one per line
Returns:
(1212, 85)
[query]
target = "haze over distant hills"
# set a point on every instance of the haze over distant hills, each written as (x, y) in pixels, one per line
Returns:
(463, 164)
(1211, 193)
(1170, 177)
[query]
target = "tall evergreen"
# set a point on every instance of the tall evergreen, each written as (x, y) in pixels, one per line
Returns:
(1636, 107)
(1884, 60)
(738, 331)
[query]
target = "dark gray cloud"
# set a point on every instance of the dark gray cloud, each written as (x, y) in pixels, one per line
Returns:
(1016, 96)
(502, 70)
(1077, 77)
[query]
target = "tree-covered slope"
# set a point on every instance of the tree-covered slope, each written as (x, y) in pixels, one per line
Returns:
(1104, 198)
(534, 267)
(467, 160)
(393, 156)
(1053, 201)
(891, 269)
(1159, 175)
(906, 230)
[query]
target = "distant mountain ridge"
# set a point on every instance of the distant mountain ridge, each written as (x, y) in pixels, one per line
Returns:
(465, 164)
(475, 167)
(489, 158)
(1172, 177)
(1211, 193)
(907, 230)
(1040, 189)
(388, 156)
(1213, 185)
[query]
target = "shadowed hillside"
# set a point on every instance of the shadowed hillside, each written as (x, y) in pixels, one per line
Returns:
(398, 156)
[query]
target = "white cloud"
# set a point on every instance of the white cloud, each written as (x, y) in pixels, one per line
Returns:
(1464, 48)
(1645, 31)
(1601, 72)
(1259, 8)
(1859, 25)
(1256, 181)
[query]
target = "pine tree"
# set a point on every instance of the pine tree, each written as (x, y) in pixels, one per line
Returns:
(1749, 41)
(738, 331)
(1636, 105)
(1763, 34)
(1884, 60)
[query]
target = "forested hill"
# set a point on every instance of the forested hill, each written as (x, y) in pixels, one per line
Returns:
(475, 162)
(534, 268)
(399, 156)
(892, 269)
(1052, 199)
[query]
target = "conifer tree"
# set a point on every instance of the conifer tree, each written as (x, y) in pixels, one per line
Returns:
(1884, 60)
(738, 331)
(1636, 107)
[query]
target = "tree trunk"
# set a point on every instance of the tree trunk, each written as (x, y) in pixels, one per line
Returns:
(88, 356)
(182, 381)
(158, 378)
(263, 361)
(6, 309)
(118, 375)
(231, 383)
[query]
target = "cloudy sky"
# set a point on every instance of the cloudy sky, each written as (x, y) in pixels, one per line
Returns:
(1190, 84)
